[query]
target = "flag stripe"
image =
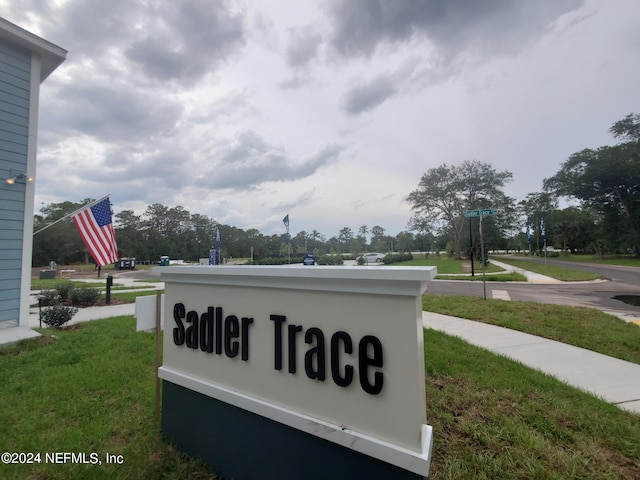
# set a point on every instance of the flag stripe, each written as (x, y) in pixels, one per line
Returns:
(94, 240)
(92, 236)
(97, 233)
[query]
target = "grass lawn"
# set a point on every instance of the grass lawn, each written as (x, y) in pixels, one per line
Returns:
(51, 283)
(451, 269)
(92, 390)
(560, 273)
(497, 419)
(88, 390)
(448, 265)
(489, 277)
(624, 260)
(580, 326)
(130, 297)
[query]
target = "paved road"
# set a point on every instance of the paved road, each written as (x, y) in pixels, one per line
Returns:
(620, 281)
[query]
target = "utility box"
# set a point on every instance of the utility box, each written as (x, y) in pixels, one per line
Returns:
(47, 274)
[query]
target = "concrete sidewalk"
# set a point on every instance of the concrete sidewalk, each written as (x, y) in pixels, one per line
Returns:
(615, 381)
(531, 276)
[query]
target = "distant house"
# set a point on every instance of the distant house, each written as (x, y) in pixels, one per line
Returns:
(26, 60)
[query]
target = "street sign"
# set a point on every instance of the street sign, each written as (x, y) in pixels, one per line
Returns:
(480, 213)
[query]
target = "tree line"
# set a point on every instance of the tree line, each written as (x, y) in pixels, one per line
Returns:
(605, 182)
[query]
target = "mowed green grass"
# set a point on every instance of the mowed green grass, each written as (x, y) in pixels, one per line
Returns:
(52, 283)
(580, 326)
(92, 390)
(623, 260)
(448, 266)
(86, 390)
(560, 273)
(494, 418)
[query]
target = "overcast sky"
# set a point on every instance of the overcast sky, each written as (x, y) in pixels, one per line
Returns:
(328, 111)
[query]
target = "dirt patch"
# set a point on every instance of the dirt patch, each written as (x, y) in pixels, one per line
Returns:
(75, 326)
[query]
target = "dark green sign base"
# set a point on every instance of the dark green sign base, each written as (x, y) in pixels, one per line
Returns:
(241, 445)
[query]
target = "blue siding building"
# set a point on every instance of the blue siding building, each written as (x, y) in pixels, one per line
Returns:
(26, 60)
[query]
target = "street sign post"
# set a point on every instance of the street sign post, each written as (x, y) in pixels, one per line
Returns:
(480, 213)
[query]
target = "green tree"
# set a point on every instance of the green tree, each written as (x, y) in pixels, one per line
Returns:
(446, 192)
(61, 241)
(628, 128)
(404, 242)
(345, 237)
(608, 180)
(128, 232)
(576, 228)
(318, 239)
(379, 241)
(300, 242)
(533, 208)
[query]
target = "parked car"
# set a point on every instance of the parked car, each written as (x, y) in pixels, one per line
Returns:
(372, 257)
(126, 263)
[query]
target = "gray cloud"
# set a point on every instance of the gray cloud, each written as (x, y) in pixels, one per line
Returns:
(457, 29)
(184, 40)
(303, 46)
(84, 28)
(251, 161)
(110, 113)
(164, 41)
(369, 95)
(453, 26)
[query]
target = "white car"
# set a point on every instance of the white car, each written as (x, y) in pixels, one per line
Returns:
(372, 258)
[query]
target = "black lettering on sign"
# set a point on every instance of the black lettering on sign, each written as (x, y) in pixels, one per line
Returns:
(293, 331)
(314, 359)
(210, 333)
(345, 339)
(278, 320)
(246, 323)
(178, 331)
(214, 333)
(341, 349)
(370, 355)
(218, 330)
(231, 332)
(206, 331)
(192, 330)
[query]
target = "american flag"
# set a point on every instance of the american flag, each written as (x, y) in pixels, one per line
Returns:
(96, 229)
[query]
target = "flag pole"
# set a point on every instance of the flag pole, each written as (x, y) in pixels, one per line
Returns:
(285, 220)
(73, 213)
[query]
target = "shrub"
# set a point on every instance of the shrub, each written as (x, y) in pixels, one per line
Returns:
(329, 260)
(84, 296)
(450, 250)
(49, 297)
(64, 290)
(276, 260)
(397, 257)
(57, 315)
